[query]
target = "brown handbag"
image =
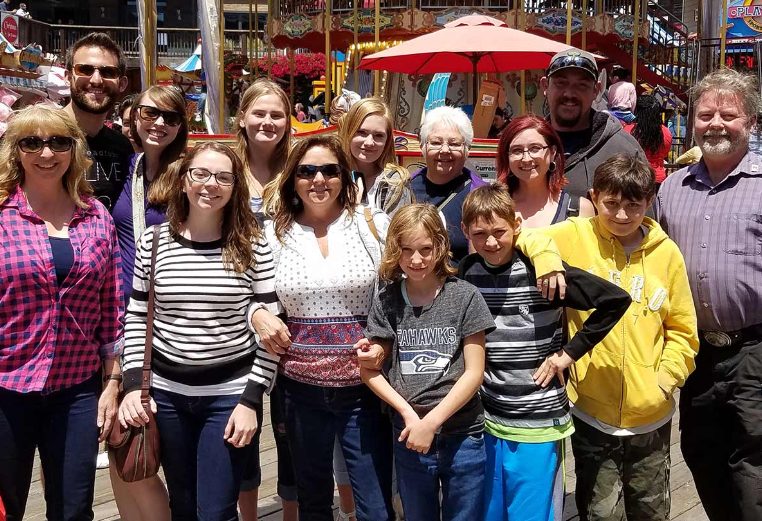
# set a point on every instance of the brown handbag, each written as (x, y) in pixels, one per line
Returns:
(135, 450)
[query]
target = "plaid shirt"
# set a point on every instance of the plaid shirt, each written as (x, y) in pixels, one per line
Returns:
(52, 337)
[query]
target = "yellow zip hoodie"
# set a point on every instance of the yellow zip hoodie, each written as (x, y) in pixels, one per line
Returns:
(628, 379)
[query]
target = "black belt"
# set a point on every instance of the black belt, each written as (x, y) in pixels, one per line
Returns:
(731, 338)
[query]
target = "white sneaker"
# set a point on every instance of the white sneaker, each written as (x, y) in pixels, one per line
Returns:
(102, 461)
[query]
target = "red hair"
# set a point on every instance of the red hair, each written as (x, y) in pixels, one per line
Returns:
(556, 179)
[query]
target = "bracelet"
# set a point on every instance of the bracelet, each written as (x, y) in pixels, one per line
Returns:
(117, 377)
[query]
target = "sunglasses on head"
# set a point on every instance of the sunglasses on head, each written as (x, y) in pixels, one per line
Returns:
(34, 144)
(107, 72)
(170, 117)
(329, 171)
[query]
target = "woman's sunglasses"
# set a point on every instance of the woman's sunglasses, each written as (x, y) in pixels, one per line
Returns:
(329, 171)
(170, 117)
(33, 144)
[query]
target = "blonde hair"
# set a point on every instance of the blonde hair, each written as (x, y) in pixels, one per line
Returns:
(488, 202)
(54, 121)
(396, 176)
(166, 98)
(262, 87)
(239, 225)
(407, 220)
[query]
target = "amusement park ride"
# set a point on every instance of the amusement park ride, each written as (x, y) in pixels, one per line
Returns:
(353, 35)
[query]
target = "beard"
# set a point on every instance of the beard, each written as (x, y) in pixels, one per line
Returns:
(722, 143)
(79, 98)
(565, 121)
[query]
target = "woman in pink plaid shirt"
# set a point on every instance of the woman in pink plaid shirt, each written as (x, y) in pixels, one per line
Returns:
(60, 308)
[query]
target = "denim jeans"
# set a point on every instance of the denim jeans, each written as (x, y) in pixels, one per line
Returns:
(62, 425)
(202, 470)
(721, 430)
(455, 464)
(315, 416)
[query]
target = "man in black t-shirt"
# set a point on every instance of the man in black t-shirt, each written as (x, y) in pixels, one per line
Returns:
(95, 69)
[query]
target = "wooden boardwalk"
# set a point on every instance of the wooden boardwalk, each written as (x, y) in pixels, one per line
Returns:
(685, 502)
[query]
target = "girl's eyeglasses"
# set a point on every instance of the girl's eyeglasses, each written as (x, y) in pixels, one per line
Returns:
(202, 175)
(151, 114)
(329, 171)
(34, 144)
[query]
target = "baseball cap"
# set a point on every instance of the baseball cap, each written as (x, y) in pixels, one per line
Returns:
(573, 59)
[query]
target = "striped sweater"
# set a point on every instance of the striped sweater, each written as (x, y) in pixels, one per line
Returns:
(529, 328)
(202, 344)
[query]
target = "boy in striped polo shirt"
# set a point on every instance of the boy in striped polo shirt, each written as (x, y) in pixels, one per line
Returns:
(524, 397)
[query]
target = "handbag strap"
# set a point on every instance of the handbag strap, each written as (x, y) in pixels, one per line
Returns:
(371, 224)
(146, 382)
(441, 206)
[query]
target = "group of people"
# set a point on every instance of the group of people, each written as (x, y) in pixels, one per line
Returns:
(433, 327)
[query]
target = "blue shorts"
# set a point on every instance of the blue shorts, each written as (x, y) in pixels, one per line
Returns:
(523, 480)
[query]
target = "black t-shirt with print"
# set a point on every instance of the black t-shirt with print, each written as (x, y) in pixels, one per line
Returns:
(110, 152)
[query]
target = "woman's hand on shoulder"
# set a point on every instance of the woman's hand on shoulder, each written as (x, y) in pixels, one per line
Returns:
(131, 411)
(273, 333)
(242, 426)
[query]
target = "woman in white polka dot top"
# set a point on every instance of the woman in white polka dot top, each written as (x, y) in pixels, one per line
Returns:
(327, 255)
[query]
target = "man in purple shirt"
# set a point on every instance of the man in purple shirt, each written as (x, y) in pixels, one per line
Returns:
(713, 211)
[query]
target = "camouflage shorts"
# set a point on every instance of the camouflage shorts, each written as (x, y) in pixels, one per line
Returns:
(621, 477)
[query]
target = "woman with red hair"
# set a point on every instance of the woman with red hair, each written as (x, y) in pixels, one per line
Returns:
(530, 160)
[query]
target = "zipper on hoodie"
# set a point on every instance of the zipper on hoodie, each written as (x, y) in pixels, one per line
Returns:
(624, 346)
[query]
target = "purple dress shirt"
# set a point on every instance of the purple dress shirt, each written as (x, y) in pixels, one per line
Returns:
(719, 231)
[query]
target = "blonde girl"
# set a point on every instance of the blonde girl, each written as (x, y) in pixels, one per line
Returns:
(431, 327)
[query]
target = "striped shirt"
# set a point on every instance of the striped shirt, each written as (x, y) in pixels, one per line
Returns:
(529, 328)
(718, 229)
(202, 342)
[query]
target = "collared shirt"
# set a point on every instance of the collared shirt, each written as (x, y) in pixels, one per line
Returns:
(719, 231)
(53, 337)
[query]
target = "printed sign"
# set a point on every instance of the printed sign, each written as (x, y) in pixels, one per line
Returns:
(744, 18)
(10, 28)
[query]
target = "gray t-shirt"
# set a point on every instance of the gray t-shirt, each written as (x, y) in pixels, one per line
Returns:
(427, 346)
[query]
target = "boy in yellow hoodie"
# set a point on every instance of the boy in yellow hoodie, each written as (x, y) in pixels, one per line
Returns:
(622, 389)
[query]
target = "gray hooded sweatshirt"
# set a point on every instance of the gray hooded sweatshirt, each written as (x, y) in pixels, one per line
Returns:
(609, 138)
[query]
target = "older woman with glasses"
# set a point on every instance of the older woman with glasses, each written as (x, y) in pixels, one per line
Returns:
(446, 136)
(60, 315)
(327, 253)
(530, 160)
(209, 374)
(159, 128)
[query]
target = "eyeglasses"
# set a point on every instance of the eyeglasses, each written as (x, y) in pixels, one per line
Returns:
(329, 171)
(202, 175)
(436, 146)
(33, 144)
(170, 117)
(107, 72)
(533, 151)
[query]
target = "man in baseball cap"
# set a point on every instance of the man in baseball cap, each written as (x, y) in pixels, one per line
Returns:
(589, 137)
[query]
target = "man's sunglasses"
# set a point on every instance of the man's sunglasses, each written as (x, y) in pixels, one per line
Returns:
(33, 144)
(108, 72)
(329, 171)
(170, 117)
